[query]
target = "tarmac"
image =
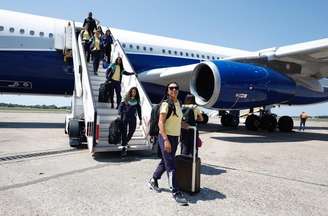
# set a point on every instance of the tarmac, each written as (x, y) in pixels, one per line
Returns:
(242, 173)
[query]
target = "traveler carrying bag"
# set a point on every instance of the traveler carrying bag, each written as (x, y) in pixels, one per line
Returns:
(115, 134)
(188, 170)
(104, 92)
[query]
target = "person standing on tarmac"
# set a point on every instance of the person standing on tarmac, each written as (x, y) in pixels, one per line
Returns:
(303, 117)
(128, 110)
(168, 140)
(187, 135)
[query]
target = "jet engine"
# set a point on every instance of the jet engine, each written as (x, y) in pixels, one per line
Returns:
(233, 85)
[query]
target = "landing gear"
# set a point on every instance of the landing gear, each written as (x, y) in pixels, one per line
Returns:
(76, 132)
(285, 124)
(229, 120)
(252, 122)
(268, 121)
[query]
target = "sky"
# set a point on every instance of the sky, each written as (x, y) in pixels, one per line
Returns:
(249, 25)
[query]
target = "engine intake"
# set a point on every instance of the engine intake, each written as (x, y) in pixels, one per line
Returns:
(234, 85)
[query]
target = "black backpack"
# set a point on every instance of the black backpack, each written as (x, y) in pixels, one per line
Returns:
(115, 134)
(154, 117)
(188, 116)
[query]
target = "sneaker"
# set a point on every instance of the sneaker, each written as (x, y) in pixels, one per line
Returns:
(180, 199)
(153, 185)
(124, 152)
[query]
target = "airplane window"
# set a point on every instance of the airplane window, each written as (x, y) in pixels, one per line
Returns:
(11, 29)
(51, 35)
(131, 46)
(124, 45)
(41, 34)
(181, 53)
(187, 54)
(208, 57)
(31, 32)
(192, 55)
(169, 51)
(22, 31)
(197, 55)
(175, 53)
(163, 51)
(213, 57)
(203, 56)
(218, 58)
(151, 49)
(138, 47)
(1, 28)
(144, 48)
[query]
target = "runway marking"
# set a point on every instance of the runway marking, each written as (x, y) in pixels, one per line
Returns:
(36, 154)
(269, 175)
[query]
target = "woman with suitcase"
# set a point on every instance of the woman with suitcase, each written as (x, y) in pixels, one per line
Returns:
(169, 132)
(128, 109)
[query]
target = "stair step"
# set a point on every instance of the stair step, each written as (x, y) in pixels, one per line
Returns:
(105, 147)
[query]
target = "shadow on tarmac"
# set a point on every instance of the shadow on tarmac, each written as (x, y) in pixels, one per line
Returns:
(115, 157)
(205, 194)
(31, 125)
(207, 169)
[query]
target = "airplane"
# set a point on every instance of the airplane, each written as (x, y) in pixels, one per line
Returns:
(221, 78)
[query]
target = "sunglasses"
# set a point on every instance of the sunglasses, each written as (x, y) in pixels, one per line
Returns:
(174, 87)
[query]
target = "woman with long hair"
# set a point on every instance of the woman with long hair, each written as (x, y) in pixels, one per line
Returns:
(114, 74)
(129, 108)
(168, 138)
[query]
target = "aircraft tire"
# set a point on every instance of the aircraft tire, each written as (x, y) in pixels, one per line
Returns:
(205, 118)
(252, 122)
(269, 122)
(74, 133)
(226, 119)
(285, 124)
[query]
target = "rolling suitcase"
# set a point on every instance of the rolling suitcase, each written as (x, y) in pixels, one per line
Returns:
(188, 170)
(115, 128)
(104, 92)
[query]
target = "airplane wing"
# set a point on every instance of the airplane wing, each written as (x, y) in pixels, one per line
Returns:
(305, 62)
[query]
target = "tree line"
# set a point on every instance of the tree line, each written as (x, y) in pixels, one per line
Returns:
(10, 105)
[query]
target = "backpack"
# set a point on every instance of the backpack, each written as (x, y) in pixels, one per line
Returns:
(189, 116)
(154, 117)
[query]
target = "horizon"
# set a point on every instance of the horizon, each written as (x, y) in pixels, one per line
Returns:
(226, 23)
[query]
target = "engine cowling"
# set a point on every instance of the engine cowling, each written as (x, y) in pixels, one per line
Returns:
(234, 85)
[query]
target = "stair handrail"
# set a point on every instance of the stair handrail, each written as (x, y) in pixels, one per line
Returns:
(89, 106)
(76, 62)
(129, 81)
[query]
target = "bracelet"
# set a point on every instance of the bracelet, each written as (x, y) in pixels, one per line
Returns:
(165, 139)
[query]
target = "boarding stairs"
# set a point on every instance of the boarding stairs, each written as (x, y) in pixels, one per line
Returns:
(98, 116)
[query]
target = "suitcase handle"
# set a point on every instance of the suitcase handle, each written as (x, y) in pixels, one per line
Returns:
(193, 173)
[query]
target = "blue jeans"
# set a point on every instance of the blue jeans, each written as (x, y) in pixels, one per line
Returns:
(167, 162)
(302, 125)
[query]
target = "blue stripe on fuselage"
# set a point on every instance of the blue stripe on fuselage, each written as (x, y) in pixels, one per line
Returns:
(45, 70)
(144, 62)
